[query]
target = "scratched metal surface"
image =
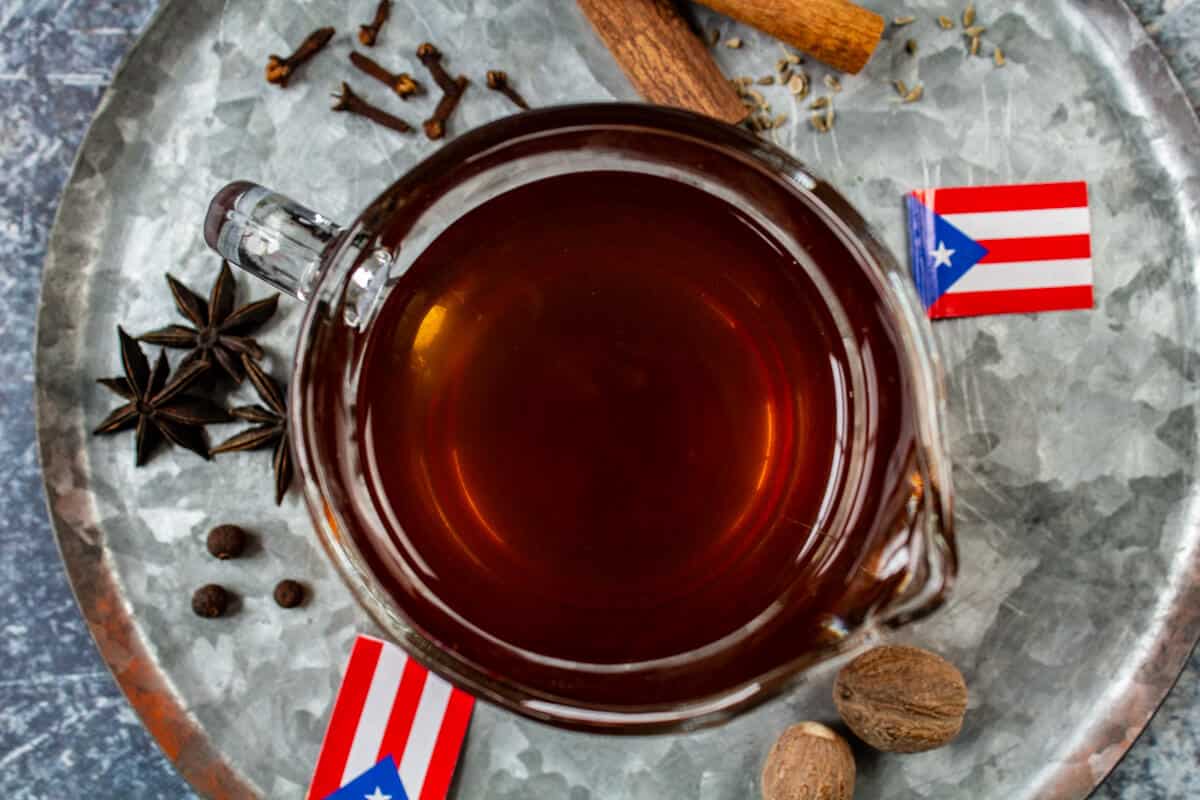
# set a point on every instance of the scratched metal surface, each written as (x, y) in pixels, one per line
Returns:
(1074, 433)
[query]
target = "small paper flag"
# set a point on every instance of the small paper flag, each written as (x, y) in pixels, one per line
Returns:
(1001, 249)
(390, 708)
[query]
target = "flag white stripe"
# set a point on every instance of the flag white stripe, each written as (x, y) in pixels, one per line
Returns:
(1022, 224)
(426, 724)
(1025, 275)
(373, 722)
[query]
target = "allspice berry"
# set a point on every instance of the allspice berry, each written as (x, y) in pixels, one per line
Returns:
(210, 601)
(901, 699)
(809, 762)
(289, 593)
(226, 541)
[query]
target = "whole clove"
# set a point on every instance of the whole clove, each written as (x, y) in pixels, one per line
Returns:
(452, 90)
(367, 34)
(401, 83)
(350, 102)
(280, 70)
(497, 81)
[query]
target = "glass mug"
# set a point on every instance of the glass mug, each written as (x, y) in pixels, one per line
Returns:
(611, 414)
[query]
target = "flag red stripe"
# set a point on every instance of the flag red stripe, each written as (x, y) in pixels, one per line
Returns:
(348, 707)
(404, 709)
(1024, 197)
(1015, 301)
(449, 742)
(1036, 248)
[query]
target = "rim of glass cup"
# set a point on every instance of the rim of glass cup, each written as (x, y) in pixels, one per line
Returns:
(933, 545)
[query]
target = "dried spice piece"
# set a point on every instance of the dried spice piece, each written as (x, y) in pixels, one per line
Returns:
(900, 22)
(975, 31)
(742, 81)
(809, 762)
(221, 333)
(157, 406)
(820, 122)
(401, 83)
(760, 122)
(974, 50)
(734, 43)
(785, 76)
(766, 80)
(714, 36)
(914, 94)
(280, 70)
(226, 541)
(945, 22)
(998, 57)
(270, 427)
(820, 102)
(289, 593)
(901, 87)
(452, 90)
(901, 699)
(910, 47)
(351, 103)
(833, 83)
(210, 601)
(968, 17)
(798, 86)
(497, 81)
(367, 34)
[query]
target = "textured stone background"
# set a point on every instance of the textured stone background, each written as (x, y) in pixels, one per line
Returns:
(64, 726)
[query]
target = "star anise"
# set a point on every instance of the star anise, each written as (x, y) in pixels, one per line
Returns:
(157, 405)
(221, 334)
(270, 426)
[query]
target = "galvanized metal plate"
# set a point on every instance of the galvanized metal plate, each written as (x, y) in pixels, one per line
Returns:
(1074, 434)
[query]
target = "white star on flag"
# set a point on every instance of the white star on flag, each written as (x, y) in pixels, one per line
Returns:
(941, 256)
(377, 795)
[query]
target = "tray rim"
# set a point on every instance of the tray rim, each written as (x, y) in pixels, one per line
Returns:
(121, 646)
(186, 744)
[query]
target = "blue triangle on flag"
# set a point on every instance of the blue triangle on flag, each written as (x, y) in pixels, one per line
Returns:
(380, 782)
(941, 253)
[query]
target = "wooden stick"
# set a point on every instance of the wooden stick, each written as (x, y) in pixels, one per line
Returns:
(836, 32)
(664, 60)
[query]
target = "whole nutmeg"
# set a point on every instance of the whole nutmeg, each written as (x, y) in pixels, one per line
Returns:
(289, 593)
(210, 601)
(809, 762)
(226, 541)
(901, 699)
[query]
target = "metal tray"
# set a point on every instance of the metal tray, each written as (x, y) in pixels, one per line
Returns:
(1074, 434)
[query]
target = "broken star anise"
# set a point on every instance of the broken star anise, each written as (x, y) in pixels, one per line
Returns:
(156, 403)
(221, 333)
(270, 426)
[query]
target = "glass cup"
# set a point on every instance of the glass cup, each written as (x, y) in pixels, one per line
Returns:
(900, 564)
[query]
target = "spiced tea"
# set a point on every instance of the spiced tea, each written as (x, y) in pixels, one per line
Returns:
(603, 416)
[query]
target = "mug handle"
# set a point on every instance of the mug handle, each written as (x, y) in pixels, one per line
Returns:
(271, 236)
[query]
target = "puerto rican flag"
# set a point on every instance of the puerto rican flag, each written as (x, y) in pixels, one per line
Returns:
(395, 732)
(1001, 249)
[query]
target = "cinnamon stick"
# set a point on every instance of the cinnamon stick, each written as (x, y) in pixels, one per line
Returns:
(664, 60)
(837, 32)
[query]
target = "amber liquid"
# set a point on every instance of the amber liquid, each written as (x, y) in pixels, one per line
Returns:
(600, 417)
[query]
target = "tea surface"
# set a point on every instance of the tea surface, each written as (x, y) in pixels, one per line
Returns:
(599, 417)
